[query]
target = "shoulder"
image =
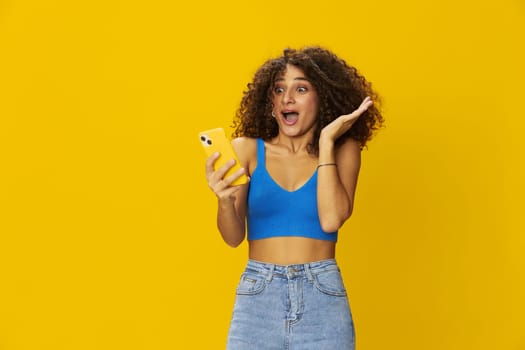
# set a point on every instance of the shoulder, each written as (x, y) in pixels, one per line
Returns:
(349, 147)
(348, 154)
(244, 144)
(246, 149)
(244, 141)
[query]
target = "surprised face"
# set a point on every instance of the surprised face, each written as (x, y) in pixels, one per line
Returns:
(295, 102)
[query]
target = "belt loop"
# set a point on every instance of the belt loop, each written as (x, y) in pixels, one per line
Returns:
(269, 275)
(308, 272)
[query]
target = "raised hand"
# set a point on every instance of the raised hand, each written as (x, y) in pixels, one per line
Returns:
(343, 123)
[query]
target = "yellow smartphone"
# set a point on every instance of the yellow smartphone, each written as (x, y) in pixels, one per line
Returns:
(215, 140)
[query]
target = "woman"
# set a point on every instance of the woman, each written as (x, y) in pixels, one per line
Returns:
(300, 129)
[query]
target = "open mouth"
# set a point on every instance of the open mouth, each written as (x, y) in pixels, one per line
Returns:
(290, 118)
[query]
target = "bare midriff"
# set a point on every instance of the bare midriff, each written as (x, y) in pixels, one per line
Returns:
(290, 250)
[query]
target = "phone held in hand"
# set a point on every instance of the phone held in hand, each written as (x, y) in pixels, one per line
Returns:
(215, 140)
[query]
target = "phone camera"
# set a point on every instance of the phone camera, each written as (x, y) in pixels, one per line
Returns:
(206, 140)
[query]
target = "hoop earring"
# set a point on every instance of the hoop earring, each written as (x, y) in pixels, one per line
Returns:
(273, 115)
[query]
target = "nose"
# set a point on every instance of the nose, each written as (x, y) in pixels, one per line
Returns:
(288, 97)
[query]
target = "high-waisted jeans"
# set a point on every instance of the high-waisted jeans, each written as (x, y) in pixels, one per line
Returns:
(294, 307)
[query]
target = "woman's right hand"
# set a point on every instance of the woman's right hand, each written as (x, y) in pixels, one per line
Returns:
(220, 185)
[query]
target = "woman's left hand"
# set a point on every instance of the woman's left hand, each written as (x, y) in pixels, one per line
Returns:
(342, 124)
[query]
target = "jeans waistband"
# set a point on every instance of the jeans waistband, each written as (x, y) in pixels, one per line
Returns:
(270, 270)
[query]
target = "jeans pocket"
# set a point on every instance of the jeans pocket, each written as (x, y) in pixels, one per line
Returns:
(330, 282)
(251, 284)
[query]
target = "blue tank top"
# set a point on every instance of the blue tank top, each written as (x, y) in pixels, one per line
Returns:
(276, 212)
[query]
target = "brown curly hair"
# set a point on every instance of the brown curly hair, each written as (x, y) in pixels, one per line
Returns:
(340, 88)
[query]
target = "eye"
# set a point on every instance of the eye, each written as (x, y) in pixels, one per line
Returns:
(302, 89)
(278, 90)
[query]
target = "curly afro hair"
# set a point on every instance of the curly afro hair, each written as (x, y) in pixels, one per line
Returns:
(340, 88)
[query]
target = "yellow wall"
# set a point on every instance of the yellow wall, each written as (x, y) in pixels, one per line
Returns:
(107, 231)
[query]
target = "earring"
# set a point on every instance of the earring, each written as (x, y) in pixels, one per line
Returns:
(273, 115)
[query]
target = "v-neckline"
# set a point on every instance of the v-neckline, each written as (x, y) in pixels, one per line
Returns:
(276, 183)
(286, 190)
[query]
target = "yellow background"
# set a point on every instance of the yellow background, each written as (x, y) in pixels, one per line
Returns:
(107, 227)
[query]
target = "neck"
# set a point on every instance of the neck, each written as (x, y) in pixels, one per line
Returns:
(293, 144)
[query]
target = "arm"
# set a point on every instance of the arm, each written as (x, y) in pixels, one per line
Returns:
(336, 183)
(231, 208)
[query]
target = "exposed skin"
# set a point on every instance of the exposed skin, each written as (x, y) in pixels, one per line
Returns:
(291, 165)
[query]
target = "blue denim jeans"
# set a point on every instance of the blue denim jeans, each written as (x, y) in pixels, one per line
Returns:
(294, 307)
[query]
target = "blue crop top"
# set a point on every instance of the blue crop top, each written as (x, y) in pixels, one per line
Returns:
(276, 212)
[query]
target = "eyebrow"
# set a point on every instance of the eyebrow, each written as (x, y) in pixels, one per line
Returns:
(298, 78)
